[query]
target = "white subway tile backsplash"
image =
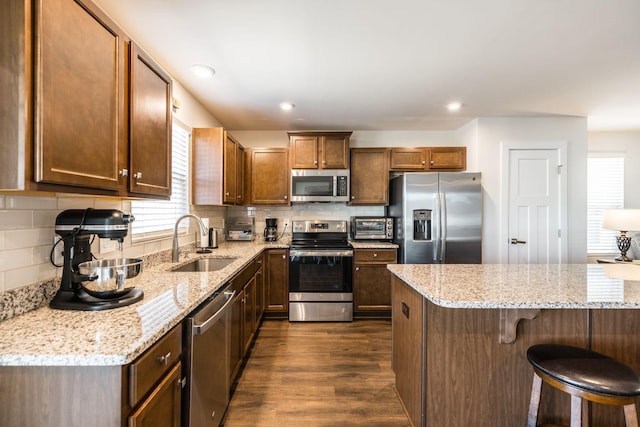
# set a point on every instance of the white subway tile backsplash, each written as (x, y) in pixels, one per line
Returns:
(12, 220)
(16, 258)
(45, 219)
(17, 239)
(2, 288)
(108, 204)
(26, 275)
(2, 202)
(41, 255)
(30, 203)
(2, 244)
(65, 203)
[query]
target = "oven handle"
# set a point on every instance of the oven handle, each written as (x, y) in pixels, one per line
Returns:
(331, 252)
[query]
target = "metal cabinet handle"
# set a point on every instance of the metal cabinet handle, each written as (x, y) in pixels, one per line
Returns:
(423, 162)
(315, 162)
(284, 257)
(353, 197)
(182, 382)
(164, 359)
(517, 242)
(375, 255)
(357, 268)
(124, 172)
(286, 197)
(227, 193)
(137, 175)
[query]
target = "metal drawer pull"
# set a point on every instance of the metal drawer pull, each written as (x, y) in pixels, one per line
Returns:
(164, 359)
(516, 241)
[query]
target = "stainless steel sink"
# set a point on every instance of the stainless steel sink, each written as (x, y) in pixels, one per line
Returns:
(205, 264)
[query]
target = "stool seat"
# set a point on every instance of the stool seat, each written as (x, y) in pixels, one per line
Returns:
(585, 375)
(585, 369)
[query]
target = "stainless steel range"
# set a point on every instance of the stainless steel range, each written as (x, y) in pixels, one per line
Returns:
(320, 261)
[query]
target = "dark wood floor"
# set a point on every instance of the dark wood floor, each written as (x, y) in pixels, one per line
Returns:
(318, 374)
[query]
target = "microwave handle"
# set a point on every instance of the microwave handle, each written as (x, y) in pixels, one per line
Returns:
(335, 185)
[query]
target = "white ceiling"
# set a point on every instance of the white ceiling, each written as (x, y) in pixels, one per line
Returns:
(394, 65)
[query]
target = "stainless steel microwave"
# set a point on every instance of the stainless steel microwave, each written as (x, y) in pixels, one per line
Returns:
(371, 228)
(328, 185)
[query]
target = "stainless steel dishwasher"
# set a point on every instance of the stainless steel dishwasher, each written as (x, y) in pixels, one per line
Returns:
(208, 337)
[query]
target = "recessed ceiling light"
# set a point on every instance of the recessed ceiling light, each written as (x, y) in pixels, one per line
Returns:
(454, 106)
(286, 106)
(203, 71)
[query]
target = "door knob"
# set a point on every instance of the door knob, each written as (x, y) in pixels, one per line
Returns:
(517, 242)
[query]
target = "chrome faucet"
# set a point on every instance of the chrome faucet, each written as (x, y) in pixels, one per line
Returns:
(175, 255)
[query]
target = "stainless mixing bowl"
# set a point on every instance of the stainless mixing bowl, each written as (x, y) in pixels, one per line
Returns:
(110, 276)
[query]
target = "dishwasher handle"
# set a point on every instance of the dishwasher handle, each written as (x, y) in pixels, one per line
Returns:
(198, 329)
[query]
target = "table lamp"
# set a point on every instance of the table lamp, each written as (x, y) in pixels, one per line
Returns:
(622, 220)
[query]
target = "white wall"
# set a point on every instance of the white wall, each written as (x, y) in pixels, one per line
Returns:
(491, 133)
(628, 143)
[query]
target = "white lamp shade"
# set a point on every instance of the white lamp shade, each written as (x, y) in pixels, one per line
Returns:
(621, 219)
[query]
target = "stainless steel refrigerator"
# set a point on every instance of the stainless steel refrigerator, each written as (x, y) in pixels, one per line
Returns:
(438, 217)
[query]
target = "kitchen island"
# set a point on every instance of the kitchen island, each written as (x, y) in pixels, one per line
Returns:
(461, 332)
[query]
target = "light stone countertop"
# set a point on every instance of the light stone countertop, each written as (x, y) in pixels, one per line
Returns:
(47, 337)
(572, 286)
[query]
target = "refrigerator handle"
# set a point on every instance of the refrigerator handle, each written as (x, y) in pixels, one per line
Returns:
(436, 229)
(443, 227)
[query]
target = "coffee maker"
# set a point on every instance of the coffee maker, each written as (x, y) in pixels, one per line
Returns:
(77, 228)
(271, 230)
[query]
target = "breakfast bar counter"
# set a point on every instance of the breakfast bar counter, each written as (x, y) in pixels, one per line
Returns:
(461, 332)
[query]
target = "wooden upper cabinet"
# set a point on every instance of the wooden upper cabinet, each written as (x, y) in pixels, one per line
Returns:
(319, 150)
(149, 126)
(217, 169)
(369, 176)
(451, 158)
(268, 176)
(408, 159)
(428, 158)
(79, 88)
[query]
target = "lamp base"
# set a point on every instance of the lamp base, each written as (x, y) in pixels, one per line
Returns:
(624, 242)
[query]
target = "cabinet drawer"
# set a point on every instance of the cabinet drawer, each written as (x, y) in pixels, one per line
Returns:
(153, 363)
(385, 256)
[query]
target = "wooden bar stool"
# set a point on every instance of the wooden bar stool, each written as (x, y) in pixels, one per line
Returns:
(584, 374)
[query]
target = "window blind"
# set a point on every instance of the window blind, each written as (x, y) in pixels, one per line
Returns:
(156, 218)
(605, 190)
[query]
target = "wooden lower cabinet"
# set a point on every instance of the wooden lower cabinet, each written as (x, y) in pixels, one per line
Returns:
(372, 281)
(277, 283)
(162, 407)
(147, 392)
(452, 359)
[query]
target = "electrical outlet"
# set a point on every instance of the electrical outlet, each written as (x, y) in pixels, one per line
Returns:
(286, 223)
(58, 258)
(107, 245)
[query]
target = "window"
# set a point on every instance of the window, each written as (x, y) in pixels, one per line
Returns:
(156, 218)
(605, 190)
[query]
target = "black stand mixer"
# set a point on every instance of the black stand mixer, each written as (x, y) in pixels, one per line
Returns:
(76, 227)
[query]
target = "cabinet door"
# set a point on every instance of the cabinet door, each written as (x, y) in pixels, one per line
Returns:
(277, 292)
(407, 347)
(162, 407)
(408, 159)
(372, 288)
(369, 176)
(149, 127)
(79, 92)
(240, 173)
(237, 344)
(304, 152)
(259, 306)
(230, 169)
(269, 176)
(249, 314)
(334, 152)
(449, 158)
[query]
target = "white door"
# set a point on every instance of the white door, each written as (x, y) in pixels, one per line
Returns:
(535, 206)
